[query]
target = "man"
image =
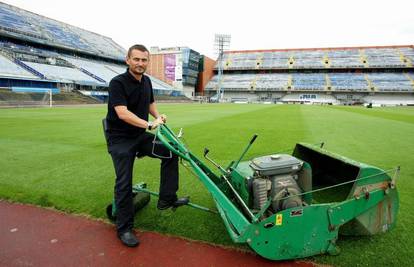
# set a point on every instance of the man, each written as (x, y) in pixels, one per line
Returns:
(131, 100)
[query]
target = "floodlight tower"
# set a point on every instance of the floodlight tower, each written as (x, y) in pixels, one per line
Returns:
(221, 44)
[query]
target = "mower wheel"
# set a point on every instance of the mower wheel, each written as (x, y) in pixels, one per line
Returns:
(140, 200)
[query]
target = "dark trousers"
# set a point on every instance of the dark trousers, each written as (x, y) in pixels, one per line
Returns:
(123, 156)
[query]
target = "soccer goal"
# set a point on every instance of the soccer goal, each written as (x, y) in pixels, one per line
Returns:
(27, 97)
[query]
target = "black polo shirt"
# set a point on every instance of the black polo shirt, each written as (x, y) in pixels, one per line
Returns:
(125, 90)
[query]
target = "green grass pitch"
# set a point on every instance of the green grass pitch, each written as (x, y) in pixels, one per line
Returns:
(57, 157)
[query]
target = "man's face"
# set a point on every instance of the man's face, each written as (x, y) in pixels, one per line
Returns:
(137, 61)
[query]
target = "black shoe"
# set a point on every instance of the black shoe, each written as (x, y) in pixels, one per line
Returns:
(163, 204)
(129, 239)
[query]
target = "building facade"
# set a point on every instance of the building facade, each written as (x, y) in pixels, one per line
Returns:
(177, 66)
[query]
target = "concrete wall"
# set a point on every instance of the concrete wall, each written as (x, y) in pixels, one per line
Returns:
(156, 68)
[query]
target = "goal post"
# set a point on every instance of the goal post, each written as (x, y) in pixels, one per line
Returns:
(20, 97)
(47, 99)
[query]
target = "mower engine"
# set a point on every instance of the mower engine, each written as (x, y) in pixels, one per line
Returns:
(276, 176)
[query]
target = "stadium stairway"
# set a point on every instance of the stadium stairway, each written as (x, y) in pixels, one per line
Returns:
(92, 75)
(259, 61)
(326, 61)
(328, 86)
(253, 84)
(21, 64)
(111, 69)
(404, 59)
(291, 61)
(289, 82)
(371, 86)
(363, 58)
(96, 77)
(30, 69)
(411, 79)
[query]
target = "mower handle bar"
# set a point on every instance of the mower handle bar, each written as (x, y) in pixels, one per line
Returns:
(167, 136)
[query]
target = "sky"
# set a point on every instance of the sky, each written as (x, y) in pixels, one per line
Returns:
(253, 25)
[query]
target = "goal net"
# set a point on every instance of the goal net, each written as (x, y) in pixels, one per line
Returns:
(33, 97)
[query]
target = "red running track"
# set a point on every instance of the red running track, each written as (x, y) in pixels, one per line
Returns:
(33, 236)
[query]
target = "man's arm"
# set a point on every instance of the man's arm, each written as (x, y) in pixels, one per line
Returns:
(154, 112)
(129, 117)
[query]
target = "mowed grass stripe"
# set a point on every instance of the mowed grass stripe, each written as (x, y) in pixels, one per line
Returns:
(404, 114)
(277, 127)
(181, 115)
(371, 139)
(387, 143)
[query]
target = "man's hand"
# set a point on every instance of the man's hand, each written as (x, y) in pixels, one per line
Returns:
(156, 123)
(163, 117)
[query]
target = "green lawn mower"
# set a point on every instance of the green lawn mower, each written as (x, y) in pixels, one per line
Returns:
(290, 206)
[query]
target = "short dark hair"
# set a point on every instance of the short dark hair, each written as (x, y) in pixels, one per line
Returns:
(139, 47)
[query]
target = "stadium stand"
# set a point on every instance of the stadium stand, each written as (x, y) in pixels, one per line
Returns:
(9, 69)
(32, 27)
(64, 74)
(347, 58)
(38, 52)
(105, 72)
(348, 82)
(348, 75)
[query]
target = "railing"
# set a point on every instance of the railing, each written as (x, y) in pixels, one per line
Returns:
(92, 75)
(30, 69)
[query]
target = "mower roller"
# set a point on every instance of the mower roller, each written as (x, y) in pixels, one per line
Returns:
(291, 206)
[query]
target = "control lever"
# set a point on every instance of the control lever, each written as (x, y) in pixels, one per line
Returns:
(206, 150)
